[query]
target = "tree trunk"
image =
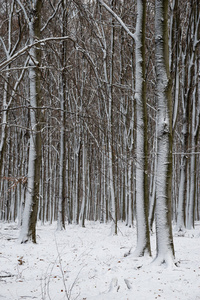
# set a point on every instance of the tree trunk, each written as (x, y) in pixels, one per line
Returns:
(164, 242)
(62, 169)
(28, 230)
(83, 205)
(143, 236)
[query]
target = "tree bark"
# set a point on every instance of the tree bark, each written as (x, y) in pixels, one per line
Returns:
(28, 230)
(142, 203)
(164, 241)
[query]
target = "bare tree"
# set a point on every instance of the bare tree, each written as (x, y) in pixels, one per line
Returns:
(142, 194)
(165, 248)
(28, 230)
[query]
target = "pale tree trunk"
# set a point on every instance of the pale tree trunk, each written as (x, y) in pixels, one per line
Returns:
(123, 138)
(4, 123)
(102, 170)
(186, 103)
(125, 189)
(192, 192)
(83, 205)
(174, 56)
(109, 113)
(143, 236)
(194, 127)
(189, 82)
(164, 239)
(153, 187)
(105, 200)
(130, 197)
(125, 211)
(181, 218)
(78, 176)
(28, 230)
(193, 162)
(63, 89)
(111, 132)
(62, 165)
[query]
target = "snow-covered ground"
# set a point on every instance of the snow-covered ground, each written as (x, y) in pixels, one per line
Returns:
(89, 263)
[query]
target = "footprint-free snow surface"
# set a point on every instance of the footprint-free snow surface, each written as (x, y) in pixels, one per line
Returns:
(92, 264)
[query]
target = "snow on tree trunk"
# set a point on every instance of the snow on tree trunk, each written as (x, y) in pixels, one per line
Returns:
(193, 163)
(186, 102)
(143, 237)
(153, 192)
(4, 123)
(130, 220)
(83, 205)
(109, 114)
(194, 80)
(62, 169)
(182, 195)
(28, 230)
(164, 241)
(192, 193)
(181, 219)
(111, 154)
(62, 162)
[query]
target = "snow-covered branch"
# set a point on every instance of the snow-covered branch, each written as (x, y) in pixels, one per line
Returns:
(52, 16)
(24, 11)
(132, 35)
(28, 47)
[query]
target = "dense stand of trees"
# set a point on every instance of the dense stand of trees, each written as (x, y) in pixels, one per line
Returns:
(100, 107)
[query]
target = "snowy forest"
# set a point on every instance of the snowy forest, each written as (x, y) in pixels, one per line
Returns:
(99, 117)
(99, 149)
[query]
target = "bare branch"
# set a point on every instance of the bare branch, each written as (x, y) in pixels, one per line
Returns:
(28, 47)
(52, 16)
(132, 35)
(24, 11)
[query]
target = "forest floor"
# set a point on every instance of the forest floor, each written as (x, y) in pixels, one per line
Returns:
(89, 264)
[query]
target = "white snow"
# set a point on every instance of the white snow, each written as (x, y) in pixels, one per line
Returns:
(89, 263)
